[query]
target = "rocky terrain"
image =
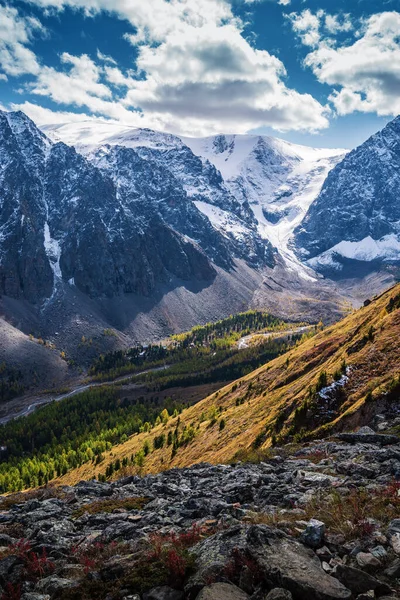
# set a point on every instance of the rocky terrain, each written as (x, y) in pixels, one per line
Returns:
(316, 522)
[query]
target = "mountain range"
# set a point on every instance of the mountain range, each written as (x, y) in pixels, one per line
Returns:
(104, 226)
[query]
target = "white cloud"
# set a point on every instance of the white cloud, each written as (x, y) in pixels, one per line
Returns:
(16, 34)
(105, 58)
(80, 85)
(212, 80)
(195, 73)
(336, 23)
(313, 27)
(366, 70)
(45, 116)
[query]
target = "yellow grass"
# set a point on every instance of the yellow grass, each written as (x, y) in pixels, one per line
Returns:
(277, 386)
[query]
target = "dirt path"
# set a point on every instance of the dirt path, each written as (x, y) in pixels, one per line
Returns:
(244, 342)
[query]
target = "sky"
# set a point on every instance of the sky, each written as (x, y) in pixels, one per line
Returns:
(317, 72)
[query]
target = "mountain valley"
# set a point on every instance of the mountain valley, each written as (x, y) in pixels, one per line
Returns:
(79, 224)
(199, 366)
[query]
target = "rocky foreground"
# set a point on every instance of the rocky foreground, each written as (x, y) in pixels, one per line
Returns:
(317, 524)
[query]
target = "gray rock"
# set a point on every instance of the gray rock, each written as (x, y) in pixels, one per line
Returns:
(366, 596)
(7, 565)
(358, 581)
(316, 479)
(53, 584)
(213, 555)
(163, 593)
(367, 561)
(368, 438)
(313, 535)
(393, 527)
(393, 570)
(287, 562)
(222, 591)
(34, 596)
(379, 552)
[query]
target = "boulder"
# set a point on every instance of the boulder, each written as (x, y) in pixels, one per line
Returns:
(34, 596)
(288, 563)
(163, 593)
(366, 435)
(393, 570)
(359, 581)
(367, 561)
(222, 591)
(54, 584)
(313, 535)
(212, 557)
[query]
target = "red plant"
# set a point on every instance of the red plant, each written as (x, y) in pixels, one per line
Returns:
(391, 492)
(21, 548)
(185, 539)
(36, 566)
(94, 555)
(177, 564)
(171, 550)
(88, 564)
(239, 561)
(11, 592)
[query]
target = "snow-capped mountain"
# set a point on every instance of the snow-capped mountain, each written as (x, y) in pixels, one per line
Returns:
(255, 189)
(356, 217)
(277, 180)
(113, 225)
(103, 225)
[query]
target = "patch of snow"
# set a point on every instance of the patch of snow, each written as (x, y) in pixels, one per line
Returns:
(328, 392)
(275, 177)
(222, 220)
(53, 251)
(71, 281)
(88, 135)
(367, 249)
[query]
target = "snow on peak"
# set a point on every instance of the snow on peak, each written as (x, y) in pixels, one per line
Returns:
(88, 135)
(278, 180)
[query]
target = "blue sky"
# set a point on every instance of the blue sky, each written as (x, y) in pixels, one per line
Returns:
(318, 72)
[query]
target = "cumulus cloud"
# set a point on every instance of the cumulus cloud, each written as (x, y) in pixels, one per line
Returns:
(16, 34)
(195, 73)
(365, 71)
(212, 75)
(80, 85)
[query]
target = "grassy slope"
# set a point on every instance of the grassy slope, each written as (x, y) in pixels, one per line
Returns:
(281, 386)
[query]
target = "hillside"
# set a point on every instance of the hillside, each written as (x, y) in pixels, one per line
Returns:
(335, 380)
(27, 363)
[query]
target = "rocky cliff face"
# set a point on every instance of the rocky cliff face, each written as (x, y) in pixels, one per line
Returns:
(120, 223)
(253, 189)
(356, 216)
(318, 525)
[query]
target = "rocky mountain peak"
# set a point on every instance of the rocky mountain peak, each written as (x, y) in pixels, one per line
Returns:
(356, 215)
